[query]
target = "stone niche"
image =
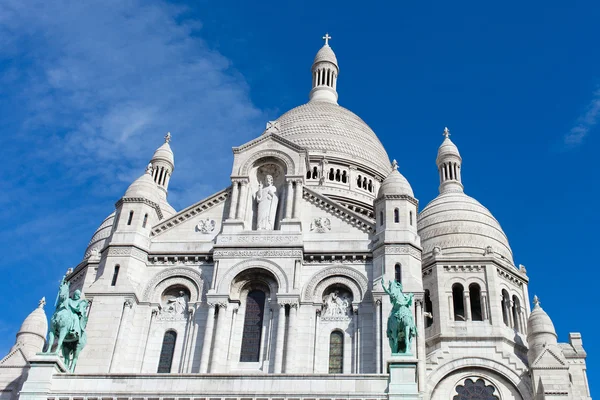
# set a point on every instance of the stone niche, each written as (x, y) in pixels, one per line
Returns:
(267, 193)
(174, 303)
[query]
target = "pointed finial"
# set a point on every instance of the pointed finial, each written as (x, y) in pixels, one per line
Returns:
(395, 165)
(326, 39)
(149, 169)
(42, 302)
(446, 132)
(168, 137)
(536, 301)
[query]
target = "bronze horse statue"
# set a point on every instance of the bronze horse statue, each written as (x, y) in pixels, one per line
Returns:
(401, 328)
(68, 325)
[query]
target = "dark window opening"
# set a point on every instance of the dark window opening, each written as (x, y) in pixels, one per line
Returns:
(505, 306)
(130, 218)
(166, 352)
(380, 218)
(396, 215)
(253, 321)
(458, 302)
(344, 177)
(475, 299)
(336, 352)
(331, 174)
(516, 308)
(410, 218)
(115, 275)
(477, 390)
(315, 173)
(428, 309)
(145, 221)
(398, 273)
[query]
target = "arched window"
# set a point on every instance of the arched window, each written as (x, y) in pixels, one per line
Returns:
(364, 182)
(344, 177)
(410, 218)
(336, 352)
(516, 311)
(115, 275)
(370, 186)
(315, 173)
(359, 181)
(475, 299)
(475, 390)
(505, 306)
(145, 221)
(428, 309)
(458, 302)
(380, 218)
(130, 217)
(331, 174)
(308, 174)
(398, 273)
(396, 215)
(253, 321)
(338, 175)
(166, 352)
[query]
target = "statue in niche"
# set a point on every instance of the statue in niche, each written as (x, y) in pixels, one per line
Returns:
(336, 304)
(176, 305)
(267, 200)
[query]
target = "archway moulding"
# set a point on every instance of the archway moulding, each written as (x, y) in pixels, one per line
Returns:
(188, 277)
(224, 284)
(356, 281)
(493, 367)
(290, 166)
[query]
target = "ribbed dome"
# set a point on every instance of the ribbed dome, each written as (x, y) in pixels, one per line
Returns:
(325, 128)
(36, 323)
(326, 54)
(395, 183)
(144, 187)
(540, 326)
(164, 153)
(101, 235)
(447, 148)
(460, 226)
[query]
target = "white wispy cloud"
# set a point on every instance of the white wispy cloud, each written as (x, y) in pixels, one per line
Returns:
(101, 82)
(585, 122)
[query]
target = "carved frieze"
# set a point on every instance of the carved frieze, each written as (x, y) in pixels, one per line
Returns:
(206, 225)
(320, 225)
(234, 253)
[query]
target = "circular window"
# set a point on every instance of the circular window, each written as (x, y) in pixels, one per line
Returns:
(475, 390)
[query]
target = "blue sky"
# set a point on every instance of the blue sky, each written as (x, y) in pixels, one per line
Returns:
(88, 92)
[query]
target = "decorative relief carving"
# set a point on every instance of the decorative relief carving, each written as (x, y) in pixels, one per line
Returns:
(341, 212)
(179, 275)
(509, 277)
(359, 278)
(127, 251)
(273, 239)
(336, 259)
(206, 225)
(464, 268)
(280, 155)
(174, 307)
(294, 253)
(179, 260)
(336, 306)
(320, 225)
(403, 249)
(152, 204)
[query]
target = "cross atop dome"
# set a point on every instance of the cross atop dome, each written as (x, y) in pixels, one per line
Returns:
(536, 301)
(326, 39)
(42, 302)
(168, 137)
(446, 132)
(395, 165)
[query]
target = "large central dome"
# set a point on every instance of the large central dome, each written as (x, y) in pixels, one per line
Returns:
(325, 128)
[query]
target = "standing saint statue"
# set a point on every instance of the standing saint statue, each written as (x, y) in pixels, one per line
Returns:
(267, 200)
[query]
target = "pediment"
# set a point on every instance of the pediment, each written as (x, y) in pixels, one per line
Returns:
(15, 358)
(550, 358)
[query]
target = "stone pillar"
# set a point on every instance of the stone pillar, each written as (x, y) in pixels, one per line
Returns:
(451, 307)
(484, 307)
(279, 339)
(356, 339)
(289, 197)
(315, 339)
(291, 339)
(221, 338)
(208, 335)
(242, 203)
(511, 322)
(123, 324)
(234, 199)
(422, 357)
(467, 304)
(378, 336)
(297, 198)
(192, 332)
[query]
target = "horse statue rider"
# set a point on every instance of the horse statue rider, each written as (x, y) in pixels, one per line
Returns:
(68, 324)
(401, 328)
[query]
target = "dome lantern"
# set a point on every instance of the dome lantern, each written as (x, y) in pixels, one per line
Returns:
(449, 165)
(325, 71)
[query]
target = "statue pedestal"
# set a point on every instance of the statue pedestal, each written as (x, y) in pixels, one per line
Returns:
(39, 380)
(290, 225)
(233, 226)
(403, 379)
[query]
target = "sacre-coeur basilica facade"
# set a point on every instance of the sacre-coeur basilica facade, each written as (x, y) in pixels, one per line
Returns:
(271, 289)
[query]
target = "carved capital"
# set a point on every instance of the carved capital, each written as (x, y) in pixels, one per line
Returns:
(128, 303)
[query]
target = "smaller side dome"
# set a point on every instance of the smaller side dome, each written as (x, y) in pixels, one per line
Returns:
(99, 238)
(540, 329)
(446, 149)
(144, 187)
(164, 152)
(395, 184)
(36, 322)
(326, 54)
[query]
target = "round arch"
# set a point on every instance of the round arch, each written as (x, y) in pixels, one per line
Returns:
(277, 154)
(188, 277)
(224, 283)
(473, 366)
(355, 281)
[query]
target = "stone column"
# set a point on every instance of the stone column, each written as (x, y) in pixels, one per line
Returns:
(191, 352)
(484, 308)
(234, 199)
(242, 203)
(297, 198)
(123, 324)
(511, 322)
(221, 338)
(279, 339)
(378, 336)
(422, 357)
(291, 339)
(451, 307)
(208, 336)
(289, 197)
(356, 339)
(467, 305)
(315, 339)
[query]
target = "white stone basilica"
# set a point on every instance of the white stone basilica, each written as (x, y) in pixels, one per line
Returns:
(271, 288)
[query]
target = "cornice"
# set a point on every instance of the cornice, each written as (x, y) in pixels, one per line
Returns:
(140, 200)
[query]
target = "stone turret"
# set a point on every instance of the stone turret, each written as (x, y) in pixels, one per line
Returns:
(32, 335)
(325, 71)
(163, 164)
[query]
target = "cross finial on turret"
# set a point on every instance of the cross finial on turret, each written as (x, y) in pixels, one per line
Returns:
(536, 301)
(326, 39)
(446, 132)
(395, 165)
(168, 137)
(42, 302)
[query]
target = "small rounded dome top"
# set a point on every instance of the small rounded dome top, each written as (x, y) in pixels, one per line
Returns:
(447, 148)
(164, 153)
(99, 238)
(540, 326)
(36, 323)
(326, 54)
(460, 226)
(144, 187)
(395, 183)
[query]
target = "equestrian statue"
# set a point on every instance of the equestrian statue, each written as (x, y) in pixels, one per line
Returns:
(68, 325)
(401, 328)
